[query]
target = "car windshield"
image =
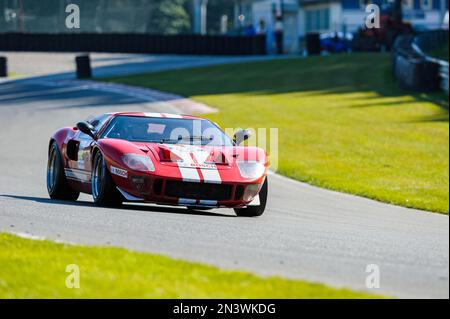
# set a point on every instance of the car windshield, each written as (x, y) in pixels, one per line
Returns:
(166, 130)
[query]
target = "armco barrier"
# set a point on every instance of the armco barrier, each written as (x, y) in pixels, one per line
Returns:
(414, 70)
(134, 43)
(430, 41)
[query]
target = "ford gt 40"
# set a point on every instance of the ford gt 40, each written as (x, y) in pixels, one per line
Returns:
(159, 158)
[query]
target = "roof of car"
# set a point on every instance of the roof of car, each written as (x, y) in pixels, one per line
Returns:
(158, 115)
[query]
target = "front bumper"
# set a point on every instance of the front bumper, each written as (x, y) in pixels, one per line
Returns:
(166, 191)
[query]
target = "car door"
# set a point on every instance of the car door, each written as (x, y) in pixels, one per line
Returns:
(79, 151)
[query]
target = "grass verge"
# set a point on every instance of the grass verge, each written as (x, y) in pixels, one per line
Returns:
(441, 53)
(343, 122)
(37, 269)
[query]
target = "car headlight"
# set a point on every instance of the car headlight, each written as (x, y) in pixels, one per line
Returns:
(138, 162)
(251, 169)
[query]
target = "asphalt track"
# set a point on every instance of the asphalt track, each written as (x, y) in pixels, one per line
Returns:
(306, 232)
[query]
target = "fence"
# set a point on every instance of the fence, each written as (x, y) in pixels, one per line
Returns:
(413, 69)
(135, 43)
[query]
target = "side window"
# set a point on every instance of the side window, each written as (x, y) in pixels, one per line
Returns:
(98, 121)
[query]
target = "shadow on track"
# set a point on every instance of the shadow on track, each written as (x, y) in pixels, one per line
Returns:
(126, 206)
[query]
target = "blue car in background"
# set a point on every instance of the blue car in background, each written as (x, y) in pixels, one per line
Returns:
(336, 42)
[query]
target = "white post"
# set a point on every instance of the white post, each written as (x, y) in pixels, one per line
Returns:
(203, 14)
(443, 10)
(200, 14)
(224, 24)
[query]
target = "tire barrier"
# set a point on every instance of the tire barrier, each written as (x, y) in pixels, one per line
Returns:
(135, 43)
(313, 43)
(414, 70)
(3, 66)
(83, 63)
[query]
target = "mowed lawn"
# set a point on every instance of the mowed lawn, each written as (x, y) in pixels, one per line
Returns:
(441, 53)
(343, 123)
(37, 269)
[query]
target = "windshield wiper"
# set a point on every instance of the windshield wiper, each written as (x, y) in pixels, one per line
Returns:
(196, 138)
(173, 141)
(167, 140)
(162, 141)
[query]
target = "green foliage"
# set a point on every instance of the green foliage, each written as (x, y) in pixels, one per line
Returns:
(441, 53)
(169, 17)
(217, 8)
(151, 16)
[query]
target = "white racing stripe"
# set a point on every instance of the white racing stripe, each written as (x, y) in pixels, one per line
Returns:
(172, 116)
(188, 165)
(211, 176)
(153, 114)
(210, 173)
(188, 174)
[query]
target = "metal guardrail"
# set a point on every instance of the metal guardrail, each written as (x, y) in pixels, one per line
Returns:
(443, 73)
(430, 41)
(410, 69)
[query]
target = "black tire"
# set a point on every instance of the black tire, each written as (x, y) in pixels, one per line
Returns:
(254, 211)
(57, 185)
(104, 191)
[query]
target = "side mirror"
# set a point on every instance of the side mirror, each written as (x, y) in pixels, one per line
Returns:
(86, 128)
(241, 136)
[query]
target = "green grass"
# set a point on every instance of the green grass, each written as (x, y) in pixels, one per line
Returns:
(37, 269)
(13, 75)
(441, 53)
(343, 123)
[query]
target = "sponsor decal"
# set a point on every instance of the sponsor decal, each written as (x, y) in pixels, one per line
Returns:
(78, 175)
(119, 172)
(197, 165)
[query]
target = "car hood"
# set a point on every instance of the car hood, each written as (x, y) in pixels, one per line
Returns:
(218, 157)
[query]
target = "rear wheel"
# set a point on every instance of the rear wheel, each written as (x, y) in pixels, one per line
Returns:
(104, 190)
(57, 185)
(254, 211)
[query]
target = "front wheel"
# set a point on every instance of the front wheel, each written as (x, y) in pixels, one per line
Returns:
(57, 185)
(254, 211)
(104, 190)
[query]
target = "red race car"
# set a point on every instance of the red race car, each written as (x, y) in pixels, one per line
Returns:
(159, 158)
